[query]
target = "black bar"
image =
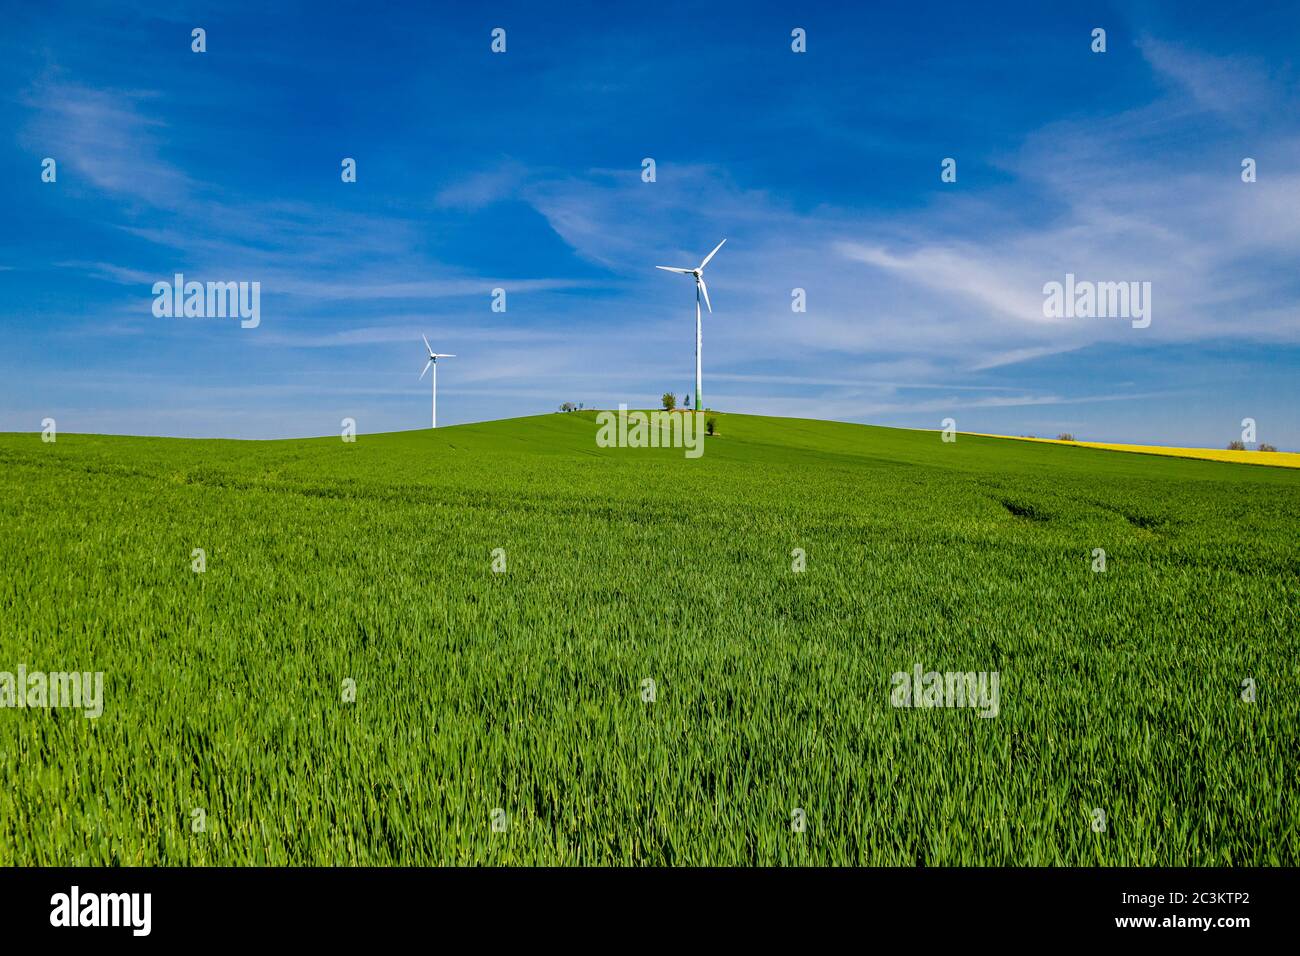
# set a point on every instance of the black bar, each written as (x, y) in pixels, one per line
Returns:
(334, 906)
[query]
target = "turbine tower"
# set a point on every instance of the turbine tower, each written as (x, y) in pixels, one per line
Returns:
(700, 287)
(433, 364)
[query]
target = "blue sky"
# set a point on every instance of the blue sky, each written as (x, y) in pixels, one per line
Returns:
(522, 170)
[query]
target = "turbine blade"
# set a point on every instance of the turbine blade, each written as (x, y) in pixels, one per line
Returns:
(671, 269)
(427, 347)
(426, 369)
(445, 355)
(712, 254)
(705, 290)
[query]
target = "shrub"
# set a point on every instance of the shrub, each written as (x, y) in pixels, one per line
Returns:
(1065, 436)
(1265, 446)
(1236, 446)
(710, 424)
(670, 401)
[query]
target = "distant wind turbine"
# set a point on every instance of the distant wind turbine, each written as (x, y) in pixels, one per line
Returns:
(433, 363)
(700, 287)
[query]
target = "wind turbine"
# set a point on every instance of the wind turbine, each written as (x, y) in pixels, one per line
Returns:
(700, 287)
(433, 363)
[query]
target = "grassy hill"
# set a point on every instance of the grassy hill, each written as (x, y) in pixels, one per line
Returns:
(372, 562)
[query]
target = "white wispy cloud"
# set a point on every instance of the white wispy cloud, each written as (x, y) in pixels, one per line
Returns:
(106, 137)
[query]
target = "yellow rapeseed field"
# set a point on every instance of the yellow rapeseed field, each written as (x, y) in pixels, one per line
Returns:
(1279, 459)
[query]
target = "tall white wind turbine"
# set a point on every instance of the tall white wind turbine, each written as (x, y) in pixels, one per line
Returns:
(700, 288)
(433, 364)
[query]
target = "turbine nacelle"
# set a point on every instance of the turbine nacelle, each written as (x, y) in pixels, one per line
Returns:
(433, 356)
(698, 274)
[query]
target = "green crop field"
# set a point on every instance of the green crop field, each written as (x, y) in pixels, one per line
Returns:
(1148, 713)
